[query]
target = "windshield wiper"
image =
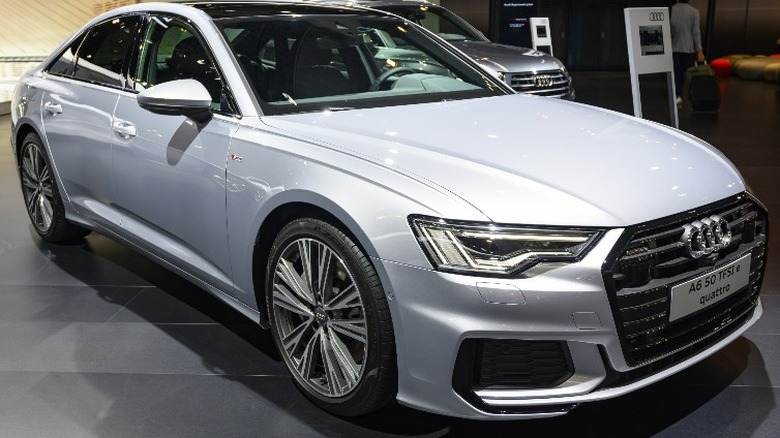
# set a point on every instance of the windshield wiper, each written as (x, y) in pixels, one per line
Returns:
(290, 99)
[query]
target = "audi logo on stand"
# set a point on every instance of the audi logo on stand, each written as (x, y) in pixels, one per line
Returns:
(543, 81)
(657, 16)
(706, 236)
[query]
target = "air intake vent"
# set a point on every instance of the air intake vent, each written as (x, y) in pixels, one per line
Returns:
(521, 364)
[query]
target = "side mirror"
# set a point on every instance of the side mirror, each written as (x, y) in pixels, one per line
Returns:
(183, 97)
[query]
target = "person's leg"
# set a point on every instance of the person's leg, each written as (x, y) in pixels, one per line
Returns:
(690, 60)
(682, 61)
(678, 59)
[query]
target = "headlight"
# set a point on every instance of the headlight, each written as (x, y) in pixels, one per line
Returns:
(497, 249)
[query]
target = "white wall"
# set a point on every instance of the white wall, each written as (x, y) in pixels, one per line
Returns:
(32, 29)
(36, 27)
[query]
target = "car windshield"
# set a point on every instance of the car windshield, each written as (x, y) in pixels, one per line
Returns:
(300, 62)
(439, 21)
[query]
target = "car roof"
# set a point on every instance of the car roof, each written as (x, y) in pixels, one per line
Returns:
(379, 3)
(218, 4)
(231, 8)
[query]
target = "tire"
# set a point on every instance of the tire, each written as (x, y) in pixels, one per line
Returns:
(42, 196)
(335, 336)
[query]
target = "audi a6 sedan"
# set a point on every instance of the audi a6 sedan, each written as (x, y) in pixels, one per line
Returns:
(412, 232)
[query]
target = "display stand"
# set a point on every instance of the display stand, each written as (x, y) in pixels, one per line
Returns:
(650, 51)
(541, 37)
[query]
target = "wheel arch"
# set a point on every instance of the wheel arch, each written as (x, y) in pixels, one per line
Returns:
(22, 130)
(27, 126)
(283, 214)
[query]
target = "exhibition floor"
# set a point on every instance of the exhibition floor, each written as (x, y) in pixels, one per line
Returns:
(96, 340)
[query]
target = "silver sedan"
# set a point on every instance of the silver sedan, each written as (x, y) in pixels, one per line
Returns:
(407, 226)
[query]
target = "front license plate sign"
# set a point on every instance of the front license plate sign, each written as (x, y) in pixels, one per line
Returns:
(708, 289)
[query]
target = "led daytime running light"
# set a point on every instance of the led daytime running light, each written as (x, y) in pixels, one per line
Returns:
(496, 250)
(526, 237)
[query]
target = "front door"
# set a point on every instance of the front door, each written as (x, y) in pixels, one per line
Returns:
(169, 171)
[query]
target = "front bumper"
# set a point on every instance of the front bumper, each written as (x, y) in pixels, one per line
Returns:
(437, 316)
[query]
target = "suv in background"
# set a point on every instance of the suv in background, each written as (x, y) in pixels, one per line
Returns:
(525, 70)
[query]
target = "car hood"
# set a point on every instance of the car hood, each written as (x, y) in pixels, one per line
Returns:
(507, 59)
(530, 160)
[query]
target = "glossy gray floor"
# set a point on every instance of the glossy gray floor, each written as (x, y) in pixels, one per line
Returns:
(97, 341)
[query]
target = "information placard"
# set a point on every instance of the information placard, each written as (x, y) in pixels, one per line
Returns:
(541, 37)
(649, 40)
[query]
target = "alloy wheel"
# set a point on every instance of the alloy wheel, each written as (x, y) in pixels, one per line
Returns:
(319, 317)
(37, 185)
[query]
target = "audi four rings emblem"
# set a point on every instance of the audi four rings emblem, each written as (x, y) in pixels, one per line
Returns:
(543, 81)
(657, 16)
(706, 236)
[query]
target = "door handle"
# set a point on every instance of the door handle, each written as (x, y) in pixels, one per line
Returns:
(124, 129)
(52, 108)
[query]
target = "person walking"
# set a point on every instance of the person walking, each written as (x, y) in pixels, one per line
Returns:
(686, 42)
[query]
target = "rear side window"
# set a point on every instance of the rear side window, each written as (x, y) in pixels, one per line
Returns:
(63, 65)
(103, 52)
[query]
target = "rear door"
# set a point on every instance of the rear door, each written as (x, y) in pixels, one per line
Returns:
(80, 93)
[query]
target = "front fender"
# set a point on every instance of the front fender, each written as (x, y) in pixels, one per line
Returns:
(269, 170)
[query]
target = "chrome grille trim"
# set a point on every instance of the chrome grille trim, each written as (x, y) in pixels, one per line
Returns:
(524, 83)
(650, 260)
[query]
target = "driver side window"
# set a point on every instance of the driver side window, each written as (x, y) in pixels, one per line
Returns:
(172, 50)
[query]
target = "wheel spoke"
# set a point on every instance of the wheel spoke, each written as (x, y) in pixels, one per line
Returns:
(354, 328)
(288, 301)
(46, 183)
(46, 212)
(292, 341)
(28, 182)
(308, 361)
(347, 298)
(347, 362)
(47, 191)
(304, 251)
(32, 208)
(299, 286)
(32, 200)
(44, 174)
(28, 164)
(334, 378)
(324, 276)
(347, 366)
(36, 161)
(30, 176)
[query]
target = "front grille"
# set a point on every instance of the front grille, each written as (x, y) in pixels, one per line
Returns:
(653, 260)
(552, 83)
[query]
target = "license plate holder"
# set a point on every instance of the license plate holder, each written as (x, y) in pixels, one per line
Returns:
(707, 289)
